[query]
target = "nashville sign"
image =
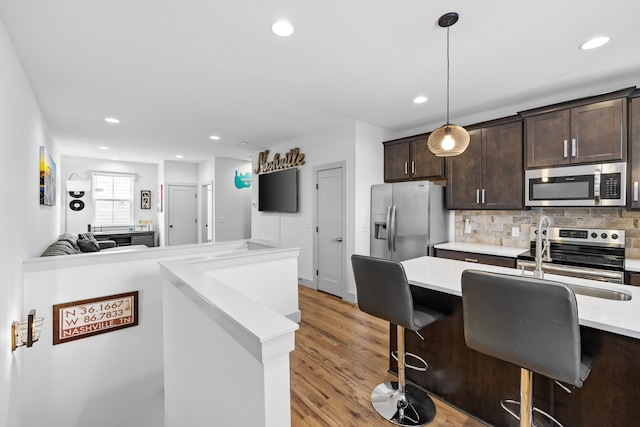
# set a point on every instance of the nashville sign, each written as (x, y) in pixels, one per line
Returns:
(289, 160)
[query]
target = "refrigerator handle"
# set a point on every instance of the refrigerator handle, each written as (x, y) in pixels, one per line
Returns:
(389, 227)
(394, 225)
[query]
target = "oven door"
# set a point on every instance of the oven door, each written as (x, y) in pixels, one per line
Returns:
(585, 185)
(610, 276)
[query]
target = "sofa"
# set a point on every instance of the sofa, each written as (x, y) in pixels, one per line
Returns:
(69, 244)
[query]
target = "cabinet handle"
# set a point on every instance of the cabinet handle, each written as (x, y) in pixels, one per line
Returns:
(565, 149)
(574, 147)
(477, 196)
(406, 168)
(413, 166)
(635, 191)
(483, 196)
(471, 260)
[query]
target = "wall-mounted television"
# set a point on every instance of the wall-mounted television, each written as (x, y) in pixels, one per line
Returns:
(278, 191)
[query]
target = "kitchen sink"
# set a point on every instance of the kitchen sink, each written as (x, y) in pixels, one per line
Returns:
(600, 293)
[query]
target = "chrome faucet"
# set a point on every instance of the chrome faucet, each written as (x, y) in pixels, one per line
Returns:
(543, 252)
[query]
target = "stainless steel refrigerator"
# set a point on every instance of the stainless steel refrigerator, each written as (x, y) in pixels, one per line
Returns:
(407, 219)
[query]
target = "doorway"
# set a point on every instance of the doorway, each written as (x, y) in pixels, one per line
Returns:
(330, 223)
(207, 225)
(182, 215)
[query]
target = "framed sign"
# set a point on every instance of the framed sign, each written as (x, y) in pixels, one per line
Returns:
(86, 318)
(145, 199)
(159, 205)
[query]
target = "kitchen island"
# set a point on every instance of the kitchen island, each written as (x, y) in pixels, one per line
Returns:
(476, 383)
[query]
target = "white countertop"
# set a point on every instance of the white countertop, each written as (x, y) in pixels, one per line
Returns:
(478, 248)
(620, 317)
(632, 264)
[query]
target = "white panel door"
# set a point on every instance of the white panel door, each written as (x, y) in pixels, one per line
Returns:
(183, 225)
(330, 243)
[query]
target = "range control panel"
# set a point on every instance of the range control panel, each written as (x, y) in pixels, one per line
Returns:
(595, 236)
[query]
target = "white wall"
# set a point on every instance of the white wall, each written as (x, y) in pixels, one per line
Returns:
(369, 170)
(26, 224)
(145, 179)
(180, 172)
(360, 146)
(111, 379)
(232, 205)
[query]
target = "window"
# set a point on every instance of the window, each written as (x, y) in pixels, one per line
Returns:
(112, 198)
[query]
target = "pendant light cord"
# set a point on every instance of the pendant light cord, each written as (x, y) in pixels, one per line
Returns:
(447, 75)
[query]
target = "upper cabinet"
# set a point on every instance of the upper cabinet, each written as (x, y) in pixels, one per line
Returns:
(577, 132)
(409, 158)
(490, 173)
(634, 152)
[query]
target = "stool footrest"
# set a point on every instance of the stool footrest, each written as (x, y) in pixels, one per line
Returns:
(506, 402)
(412, 408)
(394, 354)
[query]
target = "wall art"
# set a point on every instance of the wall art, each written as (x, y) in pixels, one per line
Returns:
(159, 198)
(85, 318)
(145, 199)
(242, 180)
(47, 178)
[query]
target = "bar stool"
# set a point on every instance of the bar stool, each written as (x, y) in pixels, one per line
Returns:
(383, 292)
(532, 323)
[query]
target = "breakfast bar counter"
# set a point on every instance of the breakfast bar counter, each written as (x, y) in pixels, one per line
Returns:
(476, 383)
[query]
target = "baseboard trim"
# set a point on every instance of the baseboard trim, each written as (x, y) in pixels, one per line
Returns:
(351, 297)
(308, 283)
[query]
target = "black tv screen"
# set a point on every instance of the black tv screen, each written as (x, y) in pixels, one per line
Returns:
(278, 191)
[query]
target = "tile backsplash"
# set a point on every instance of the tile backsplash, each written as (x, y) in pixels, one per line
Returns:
(495, 227)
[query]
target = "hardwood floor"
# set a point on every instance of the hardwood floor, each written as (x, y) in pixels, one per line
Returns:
(341, 355)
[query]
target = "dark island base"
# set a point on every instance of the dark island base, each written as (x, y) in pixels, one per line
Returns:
(476, 383)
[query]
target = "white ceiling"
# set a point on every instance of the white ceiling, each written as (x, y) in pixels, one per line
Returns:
(175, 72)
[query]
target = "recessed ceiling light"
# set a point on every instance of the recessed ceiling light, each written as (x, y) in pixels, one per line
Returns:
(179, 156)
(594, 43)
(420, 99)
(102, 147)
(115, 158)
(112, 120)
(214, 137)
(282, 28)
(243, 142)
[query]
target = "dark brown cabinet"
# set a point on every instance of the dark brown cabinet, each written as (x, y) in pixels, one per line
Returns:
(634, 152)
(410, 158)
(489, 174)
(500, 261)
(589, 133)
(632, 278)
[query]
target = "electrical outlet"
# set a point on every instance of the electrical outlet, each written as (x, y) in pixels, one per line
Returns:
(515, 231)
(467, 226)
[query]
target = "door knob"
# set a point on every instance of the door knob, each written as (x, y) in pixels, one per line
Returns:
(338, 239)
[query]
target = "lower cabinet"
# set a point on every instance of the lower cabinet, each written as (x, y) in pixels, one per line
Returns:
(499, 261)
(631, 278)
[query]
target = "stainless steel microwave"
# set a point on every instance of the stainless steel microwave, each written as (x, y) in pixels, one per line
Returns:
(584, 185)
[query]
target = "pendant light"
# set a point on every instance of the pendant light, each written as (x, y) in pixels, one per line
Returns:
(448, 139)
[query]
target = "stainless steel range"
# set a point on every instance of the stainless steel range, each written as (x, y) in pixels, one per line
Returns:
(595, 254)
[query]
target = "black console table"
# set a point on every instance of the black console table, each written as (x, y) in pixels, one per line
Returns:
(147, 238)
